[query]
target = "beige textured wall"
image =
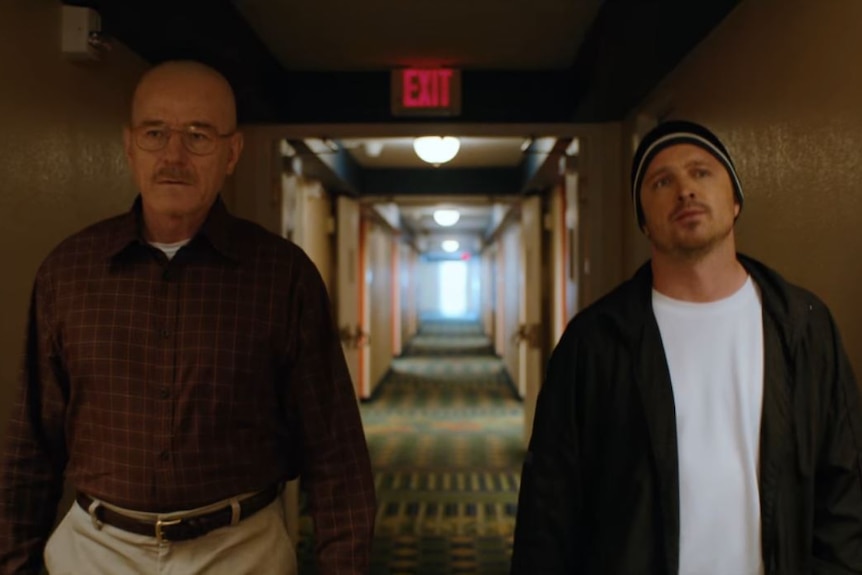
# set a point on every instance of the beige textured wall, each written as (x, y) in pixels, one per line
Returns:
(780, 82)
(61, 158)
(254, 191)
(600, 190)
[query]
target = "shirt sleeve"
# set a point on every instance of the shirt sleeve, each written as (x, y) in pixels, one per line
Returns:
(549, 524)
(838, 491)
(336, 469)
(31, 469)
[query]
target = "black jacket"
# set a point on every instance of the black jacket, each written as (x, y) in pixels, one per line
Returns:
(600, 484)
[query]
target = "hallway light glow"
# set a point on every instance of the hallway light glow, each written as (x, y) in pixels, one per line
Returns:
(446, 218)
(450, 246)
(435, 149)
(373, 148)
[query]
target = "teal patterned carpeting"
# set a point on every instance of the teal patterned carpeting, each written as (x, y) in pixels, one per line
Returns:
(445, 435)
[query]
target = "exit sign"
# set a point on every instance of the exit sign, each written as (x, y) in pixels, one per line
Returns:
(426, 92)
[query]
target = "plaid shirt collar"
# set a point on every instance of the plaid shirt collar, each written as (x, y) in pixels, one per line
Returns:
(216, 229)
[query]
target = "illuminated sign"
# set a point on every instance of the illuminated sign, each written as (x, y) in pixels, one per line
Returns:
(426, 92)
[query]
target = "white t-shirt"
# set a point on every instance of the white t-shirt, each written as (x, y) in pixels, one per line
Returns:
(715, 354)
(170, 249)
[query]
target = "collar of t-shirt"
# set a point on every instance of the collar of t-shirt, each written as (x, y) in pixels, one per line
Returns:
(170, 250)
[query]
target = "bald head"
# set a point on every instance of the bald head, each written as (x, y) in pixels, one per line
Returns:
(201, 89)
(181, 145)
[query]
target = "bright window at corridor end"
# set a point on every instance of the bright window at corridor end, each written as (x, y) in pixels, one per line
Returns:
(453, 288)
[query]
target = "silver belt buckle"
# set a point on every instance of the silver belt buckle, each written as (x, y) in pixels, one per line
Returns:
(161, 523)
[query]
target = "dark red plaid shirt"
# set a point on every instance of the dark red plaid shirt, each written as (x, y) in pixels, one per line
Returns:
(163, 385)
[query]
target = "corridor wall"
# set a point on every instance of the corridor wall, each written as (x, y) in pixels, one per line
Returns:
(61, 156)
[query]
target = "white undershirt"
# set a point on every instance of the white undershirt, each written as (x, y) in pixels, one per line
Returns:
(170, 249)
(715, 354)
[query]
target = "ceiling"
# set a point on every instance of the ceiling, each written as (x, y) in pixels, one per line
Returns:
(339, 35)
(477, 219)
(330, 63)
(473, 153)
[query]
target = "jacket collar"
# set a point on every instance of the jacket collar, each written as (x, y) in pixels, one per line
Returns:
(786, 309)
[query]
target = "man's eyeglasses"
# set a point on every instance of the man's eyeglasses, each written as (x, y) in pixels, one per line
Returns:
(197, 139)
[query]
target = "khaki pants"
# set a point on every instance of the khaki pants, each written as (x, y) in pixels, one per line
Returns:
(258, 545)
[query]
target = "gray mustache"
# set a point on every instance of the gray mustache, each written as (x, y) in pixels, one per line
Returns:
(175, 174)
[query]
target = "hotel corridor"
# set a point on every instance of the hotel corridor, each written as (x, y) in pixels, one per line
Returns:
(445, 435)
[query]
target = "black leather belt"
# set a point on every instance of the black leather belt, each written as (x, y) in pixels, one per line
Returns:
(180, 529)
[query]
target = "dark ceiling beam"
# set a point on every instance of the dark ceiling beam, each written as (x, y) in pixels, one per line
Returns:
(486, 97)
(341, 173)
(540, 167)
(337, 170)
(343, 166)
(442, 181)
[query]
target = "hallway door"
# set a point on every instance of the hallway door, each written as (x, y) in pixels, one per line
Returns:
(350, 278)
(529, 329)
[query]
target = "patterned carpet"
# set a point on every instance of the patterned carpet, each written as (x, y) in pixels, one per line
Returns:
(444, 432)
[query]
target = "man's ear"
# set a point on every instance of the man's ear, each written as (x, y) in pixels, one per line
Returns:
(235, 149)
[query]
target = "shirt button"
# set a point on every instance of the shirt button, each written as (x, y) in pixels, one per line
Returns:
(164, 455)
(164, 393)
(165, 333)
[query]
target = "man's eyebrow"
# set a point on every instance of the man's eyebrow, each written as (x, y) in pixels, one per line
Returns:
(651, 174)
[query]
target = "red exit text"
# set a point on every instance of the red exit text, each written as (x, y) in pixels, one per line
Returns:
(426, 88)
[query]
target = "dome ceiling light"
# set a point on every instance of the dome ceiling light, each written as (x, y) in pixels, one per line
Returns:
(446, 218)
(436, 150)
(450, 246)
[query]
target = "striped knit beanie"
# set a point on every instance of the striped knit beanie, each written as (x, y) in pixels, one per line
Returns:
(671, 133)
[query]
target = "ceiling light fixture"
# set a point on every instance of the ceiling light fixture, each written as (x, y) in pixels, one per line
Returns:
(446, 218)
(450, 246)
(373, 148)
(435, 149)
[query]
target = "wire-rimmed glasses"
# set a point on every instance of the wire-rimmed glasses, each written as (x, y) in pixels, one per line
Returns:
(198, 139)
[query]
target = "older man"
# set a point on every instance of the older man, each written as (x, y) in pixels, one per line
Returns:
(701, 419)
(181, 364)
